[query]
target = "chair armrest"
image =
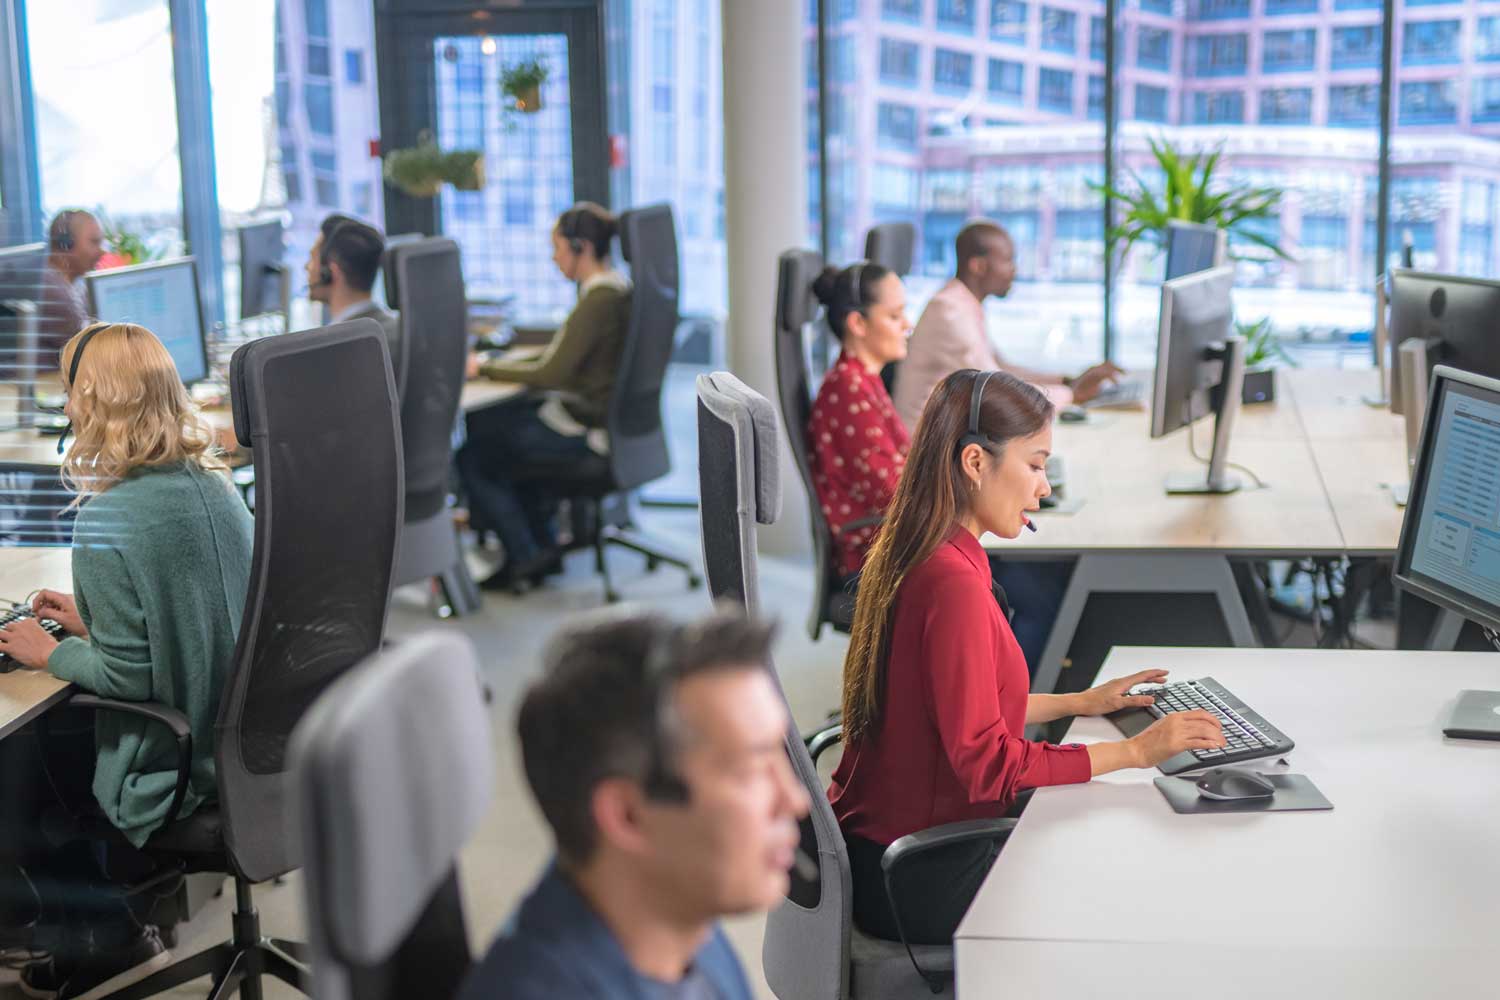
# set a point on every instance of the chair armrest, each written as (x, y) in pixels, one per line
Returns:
(831, 734)
(914, 844)
(165, 715)
(863, 522)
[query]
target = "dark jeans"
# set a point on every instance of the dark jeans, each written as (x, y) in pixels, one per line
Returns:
(58, 897)
(1035, 591)
(505, 465)
(934, 889)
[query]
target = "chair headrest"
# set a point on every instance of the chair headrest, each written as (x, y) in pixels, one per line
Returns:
(642, 223)
(394, 769)
(892, 245)
(795, 303)
(753, 416)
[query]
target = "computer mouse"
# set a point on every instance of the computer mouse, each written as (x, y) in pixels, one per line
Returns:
(1226, 784)
(1072, 414)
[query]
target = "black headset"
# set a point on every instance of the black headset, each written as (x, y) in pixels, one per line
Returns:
(88, 335)
(61, 236)
(325, 273)
(568, 226)
(981, 379)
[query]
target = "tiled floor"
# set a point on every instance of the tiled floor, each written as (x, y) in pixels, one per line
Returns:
(509, 633)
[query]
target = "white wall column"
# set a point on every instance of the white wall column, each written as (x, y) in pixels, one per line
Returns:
(765, 204)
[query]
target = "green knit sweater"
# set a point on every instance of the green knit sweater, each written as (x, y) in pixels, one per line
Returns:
(161, 564)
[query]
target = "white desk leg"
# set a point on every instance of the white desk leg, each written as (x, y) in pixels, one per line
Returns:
(1141, 574)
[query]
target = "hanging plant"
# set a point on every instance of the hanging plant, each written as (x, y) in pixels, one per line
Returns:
(522, 85)
(423, 169)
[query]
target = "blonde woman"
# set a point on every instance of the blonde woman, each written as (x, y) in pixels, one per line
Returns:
(161, 563)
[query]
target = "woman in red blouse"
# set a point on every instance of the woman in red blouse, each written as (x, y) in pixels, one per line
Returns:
(936, 692)
(856, 441)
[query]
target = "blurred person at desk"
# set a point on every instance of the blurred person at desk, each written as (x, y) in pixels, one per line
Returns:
(514, 448)
(75, 242)
(161, 565)
(341, 268)
(936, 695)
(951, 336)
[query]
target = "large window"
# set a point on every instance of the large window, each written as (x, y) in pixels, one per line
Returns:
(899, 61)
(952, 71)
(1153, 48)
(1289, 51)
(1220, 55)
(1357, 47)
(1430, 43)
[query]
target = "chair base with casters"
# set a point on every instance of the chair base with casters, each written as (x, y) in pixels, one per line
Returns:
(610, 521)
(430, 550)
(236, 965)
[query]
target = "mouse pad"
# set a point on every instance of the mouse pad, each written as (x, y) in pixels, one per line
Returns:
(1294, 793)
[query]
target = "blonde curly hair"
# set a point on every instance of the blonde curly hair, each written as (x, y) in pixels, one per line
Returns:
(129, 410)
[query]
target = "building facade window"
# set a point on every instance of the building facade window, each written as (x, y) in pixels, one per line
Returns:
(899, 61)
(354, 67)
(1097, 38)
(1008, 21)
(1276, 8)
(1059, 30)
(1224, 107)
(325, 178)
(1150, 103)
(956, 15)
(1289, 51)
(1487, 39)
(1356, 48)
(896, 187)
(896, 125)
(1430, 43)
(1007, 81)
(1286, 106)
(1354, 104)
(1220, 55)
(1055, 90)
(906, 11)
(1218, 10)
(952, 71)
(319, 100)
(1432, 102)
(1096, 98)
(1486, 100)
(1153, 48)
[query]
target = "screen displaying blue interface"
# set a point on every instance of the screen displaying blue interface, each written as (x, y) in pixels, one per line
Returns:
(164, 299)
(1458, 527)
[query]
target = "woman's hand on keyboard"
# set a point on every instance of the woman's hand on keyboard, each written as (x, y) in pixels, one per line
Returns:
(25, 641)
(1111, 696)
(1178, 731)
(61, 608)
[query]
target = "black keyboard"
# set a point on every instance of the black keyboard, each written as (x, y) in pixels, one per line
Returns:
(1249, 736)
(16, 614)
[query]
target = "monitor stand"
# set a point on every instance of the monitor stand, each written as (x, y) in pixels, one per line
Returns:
(1415, 361)
(1230, 391)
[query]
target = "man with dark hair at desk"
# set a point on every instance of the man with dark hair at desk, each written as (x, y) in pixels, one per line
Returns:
(341, 269)
(656, 753)
(951, 334)
(75, 242)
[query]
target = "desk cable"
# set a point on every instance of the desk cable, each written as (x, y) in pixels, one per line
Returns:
(1260, 484)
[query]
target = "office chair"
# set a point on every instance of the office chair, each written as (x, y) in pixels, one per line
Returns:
(812, 948)
(385, 799)
(434, 340)
(795, 308)
(319, 410)
(892, 245)
(637, 438)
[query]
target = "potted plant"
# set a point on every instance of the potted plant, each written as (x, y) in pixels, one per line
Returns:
(1190, 195)
(423, 169)
(522, 85)
(126, 246)
(1263, 353)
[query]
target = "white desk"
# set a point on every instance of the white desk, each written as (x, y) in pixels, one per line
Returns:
(25, 694)
(1103, 891)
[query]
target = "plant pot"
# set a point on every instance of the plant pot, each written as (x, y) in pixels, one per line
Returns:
(1260, 385)
(528, 100)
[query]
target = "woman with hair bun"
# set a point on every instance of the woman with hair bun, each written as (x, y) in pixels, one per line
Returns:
(856, 441)
(560, 423)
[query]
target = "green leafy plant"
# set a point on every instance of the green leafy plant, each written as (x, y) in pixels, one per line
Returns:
(522, 83)
(423, 169)
(125, 243)
(1262, 347)
(1189, 196)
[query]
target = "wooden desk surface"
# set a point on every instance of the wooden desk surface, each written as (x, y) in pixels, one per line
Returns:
(25, 694)
(1332, 407)
(1354, 473)
(1394, 893)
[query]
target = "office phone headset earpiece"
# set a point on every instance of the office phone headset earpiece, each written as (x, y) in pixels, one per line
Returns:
(325, 272)
(569, 227)
(62, 231)
(88, 335)
(974, 436)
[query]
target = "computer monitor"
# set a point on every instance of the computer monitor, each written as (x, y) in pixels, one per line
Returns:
(1200, 368)
(162, 297)
(1194, 247)
(1449, 552)
(264, 285)
(1461, 314)
(21, 275)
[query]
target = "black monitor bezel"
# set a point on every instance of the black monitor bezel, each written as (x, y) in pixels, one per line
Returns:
(241, 239)
(1423, 586)
(192, 263)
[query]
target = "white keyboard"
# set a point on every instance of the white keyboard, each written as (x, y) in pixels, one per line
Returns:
(1128, 392)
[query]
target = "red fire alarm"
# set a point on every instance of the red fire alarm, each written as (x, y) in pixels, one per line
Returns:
(619, 152)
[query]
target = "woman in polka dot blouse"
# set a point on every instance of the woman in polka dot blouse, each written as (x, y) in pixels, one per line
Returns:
(857, 442)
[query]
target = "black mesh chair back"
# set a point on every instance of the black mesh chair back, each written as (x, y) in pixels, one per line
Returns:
(386, 799)
(388, 276)
(434, 339)
(892, 245)
(319, 410)
(637, 438)
(795, 309)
